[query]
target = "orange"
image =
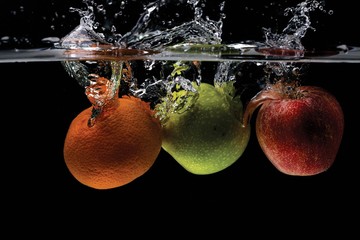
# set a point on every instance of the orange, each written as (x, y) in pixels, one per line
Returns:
(121, 146)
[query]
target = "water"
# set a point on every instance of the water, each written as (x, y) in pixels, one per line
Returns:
(244, 52)
(99, 57)
(190, 32)
(40, 99)
(98, 52)
(185, 34)
(162, 54)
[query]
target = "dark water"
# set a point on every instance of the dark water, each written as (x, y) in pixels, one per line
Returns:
(38, 109)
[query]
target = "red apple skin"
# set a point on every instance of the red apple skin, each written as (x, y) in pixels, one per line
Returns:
(300, 135)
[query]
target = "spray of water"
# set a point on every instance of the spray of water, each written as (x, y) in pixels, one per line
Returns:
(102, 79)
(156, 29)
(289, 42)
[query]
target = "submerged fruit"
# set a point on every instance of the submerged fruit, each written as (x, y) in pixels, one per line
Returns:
(121, 146)
(209, 136)
(299, 128)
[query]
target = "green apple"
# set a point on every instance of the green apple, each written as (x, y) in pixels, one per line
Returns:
(208, 136)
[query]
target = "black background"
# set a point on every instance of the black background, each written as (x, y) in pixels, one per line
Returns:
(39, 100)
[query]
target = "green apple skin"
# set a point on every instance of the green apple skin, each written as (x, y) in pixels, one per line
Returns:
(208, 137)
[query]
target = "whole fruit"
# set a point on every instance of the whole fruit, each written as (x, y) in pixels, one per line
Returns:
(121, 146)
(209, 136)
(299, 128)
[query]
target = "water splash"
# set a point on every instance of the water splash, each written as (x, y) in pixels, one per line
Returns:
(297, 27)
(156, 29)
(289, 43)
(180, 91)
(102, 91)
(101, 79)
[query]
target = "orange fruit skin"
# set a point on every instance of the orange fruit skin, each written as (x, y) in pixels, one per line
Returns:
(122, 145)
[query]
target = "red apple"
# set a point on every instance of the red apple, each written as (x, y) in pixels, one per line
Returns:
(299, 128)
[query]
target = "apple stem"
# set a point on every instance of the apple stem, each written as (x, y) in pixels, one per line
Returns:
(260, 98)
